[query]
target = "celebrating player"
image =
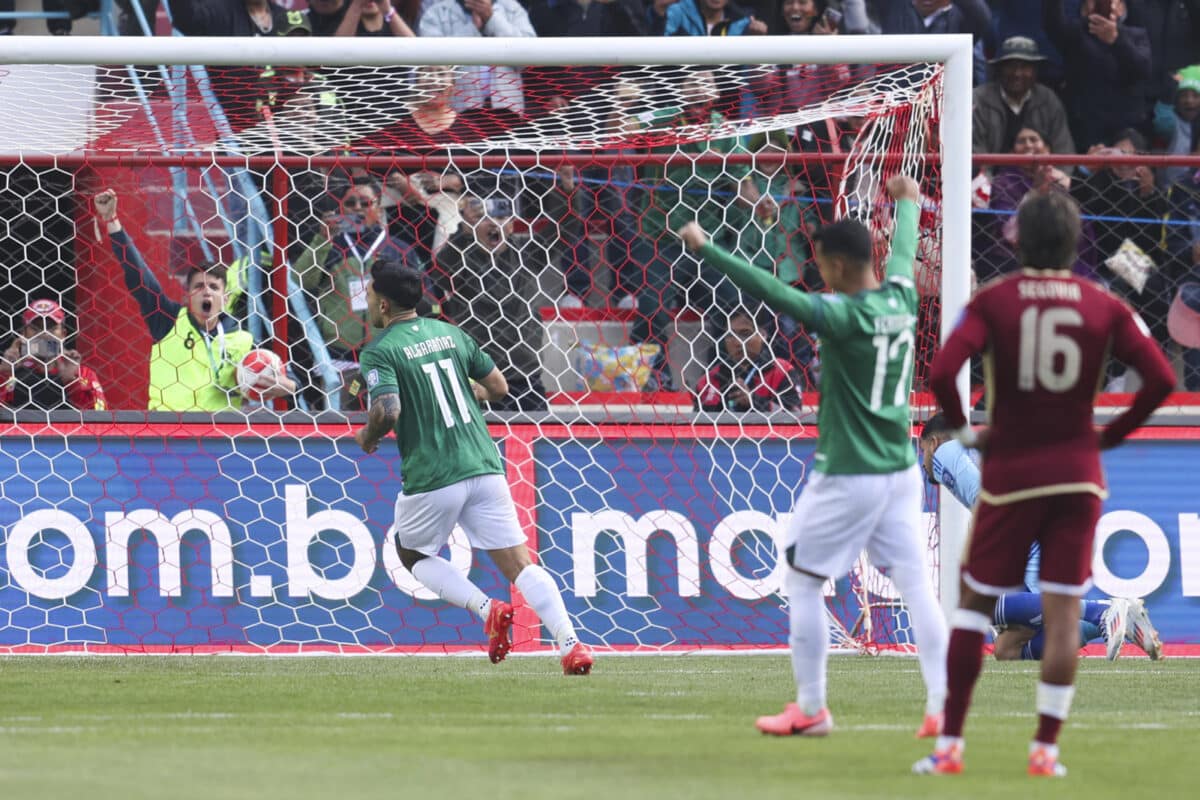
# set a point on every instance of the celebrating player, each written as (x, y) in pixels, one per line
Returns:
(419, 374)
(1047, 335)
(1018, 616)
(866, 490)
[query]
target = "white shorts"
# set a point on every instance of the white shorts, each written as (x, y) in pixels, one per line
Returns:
(839, 516)
(482, 505)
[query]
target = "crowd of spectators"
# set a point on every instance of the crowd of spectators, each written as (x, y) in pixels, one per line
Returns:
(1100, 77)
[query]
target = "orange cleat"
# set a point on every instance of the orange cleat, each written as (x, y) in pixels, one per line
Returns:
(578, 661)
(930, 726)
(942, 762)
(1044, 764)
(497, 628)
(794, 722)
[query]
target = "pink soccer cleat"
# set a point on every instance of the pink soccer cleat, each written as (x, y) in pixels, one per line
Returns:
(1044, 764)
(794, 722)
(578, 661)
(930, 726)
(497, 628)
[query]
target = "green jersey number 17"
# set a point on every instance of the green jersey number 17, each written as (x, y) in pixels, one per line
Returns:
(889, 350)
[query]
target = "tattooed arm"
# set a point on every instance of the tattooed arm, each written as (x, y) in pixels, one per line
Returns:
(385, 410)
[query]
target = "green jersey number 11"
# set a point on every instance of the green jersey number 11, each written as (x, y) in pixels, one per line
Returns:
(888, 349)
(439, 391)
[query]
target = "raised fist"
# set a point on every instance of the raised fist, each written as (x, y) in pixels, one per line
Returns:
(902, 187)
(106, 205)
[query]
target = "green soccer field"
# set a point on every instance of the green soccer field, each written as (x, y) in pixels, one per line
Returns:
(662, 727)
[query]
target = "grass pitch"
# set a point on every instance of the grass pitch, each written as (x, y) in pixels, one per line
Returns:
(653, 727)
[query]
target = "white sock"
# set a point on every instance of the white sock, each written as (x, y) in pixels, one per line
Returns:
(1054, 700)
(543, 595)
(946, 742)
(929, 629)
(440, 576)
(809, 638)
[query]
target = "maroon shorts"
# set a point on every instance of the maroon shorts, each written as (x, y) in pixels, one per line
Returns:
(998, 548)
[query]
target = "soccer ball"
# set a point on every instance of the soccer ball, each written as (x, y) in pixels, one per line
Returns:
(257, 364)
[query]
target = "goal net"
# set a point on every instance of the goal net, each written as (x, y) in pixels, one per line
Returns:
(660, 423)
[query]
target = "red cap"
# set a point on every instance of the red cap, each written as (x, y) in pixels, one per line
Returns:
(43, 308)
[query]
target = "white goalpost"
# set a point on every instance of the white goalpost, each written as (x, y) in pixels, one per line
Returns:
(251, 531)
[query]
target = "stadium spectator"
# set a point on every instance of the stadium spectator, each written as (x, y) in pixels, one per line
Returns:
(327, 15)
(128, 23)
(771, 232)
(498, 87)
(426, 199)
(57, 26)
(587, 17)
(791, 86)
(372, 18)
(1107, 66)
(604, 198)
(1173, 27)
(39, 370)
(1015, 99)
(228, 17)
(995, 237)
(711, 18)
(1128, 243)
(938, 16)
(1177, 124)
(1024, 18)
(488, 291)
(197, 347)
(336, 275)
(656, 16)
(680, 193)
(746, 375)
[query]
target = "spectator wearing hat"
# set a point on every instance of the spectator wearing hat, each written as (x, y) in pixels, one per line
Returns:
(1183, 324)
(1014, 99)
(1174, 30)
(1177, 124)
(1106, 61)
(39, 371)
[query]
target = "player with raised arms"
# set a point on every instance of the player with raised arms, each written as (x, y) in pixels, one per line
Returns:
(1046, 336)
(426, 379)
(1018, 618)
(866, 490)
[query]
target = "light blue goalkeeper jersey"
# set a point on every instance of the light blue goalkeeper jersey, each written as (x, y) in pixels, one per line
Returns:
(957, 468)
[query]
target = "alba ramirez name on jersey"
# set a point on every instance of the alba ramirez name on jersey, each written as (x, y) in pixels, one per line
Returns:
(867, 342)
(440, 433)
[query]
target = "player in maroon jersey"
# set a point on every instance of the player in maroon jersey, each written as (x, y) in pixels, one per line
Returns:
(1045, 336)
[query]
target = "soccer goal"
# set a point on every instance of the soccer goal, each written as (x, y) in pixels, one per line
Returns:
(661, 424)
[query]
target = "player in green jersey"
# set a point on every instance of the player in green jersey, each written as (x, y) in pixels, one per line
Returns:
(866, 490)
(426, 379)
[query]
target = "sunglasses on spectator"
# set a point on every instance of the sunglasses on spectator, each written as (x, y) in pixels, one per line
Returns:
(356, 201)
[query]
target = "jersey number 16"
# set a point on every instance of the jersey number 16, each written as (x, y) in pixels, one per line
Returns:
(1049, 359)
